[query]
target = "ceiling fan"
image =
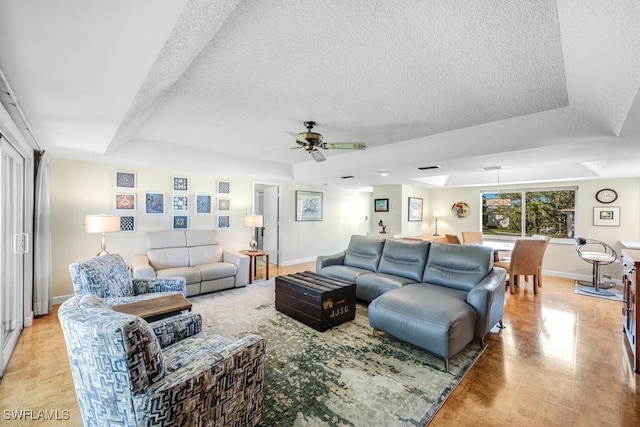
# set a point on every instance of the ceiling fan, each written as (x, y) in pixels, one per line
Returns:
(311, 141)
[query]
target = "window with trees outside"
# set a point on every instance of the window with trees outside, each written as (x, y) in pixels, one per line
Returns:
(548, 212)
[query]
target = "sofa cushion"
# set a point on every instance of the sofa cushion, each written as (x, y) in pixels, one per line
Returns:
(202, 237)
(364, 252)
(105, 276)
(191, 274)
(404, 258)
(161, 259)
(166, 239)
(217, 270)
(199, 255)
(343, 272)
(370, 286)
(457, 266)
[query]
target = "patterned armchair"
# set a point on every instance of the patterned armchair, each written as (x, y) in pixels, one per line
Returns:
(107, 276)
(128, 372)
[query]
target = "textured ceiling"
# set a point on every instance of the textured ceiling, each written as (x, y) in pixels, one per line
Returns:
(547, 89)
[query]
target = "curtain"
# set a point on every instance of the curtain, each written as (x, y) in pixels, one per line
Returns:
(42, 239)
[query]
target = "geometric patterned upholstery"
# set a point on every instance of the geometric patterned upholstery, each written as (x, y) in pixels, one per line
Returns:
(107, 277)
(128, 372)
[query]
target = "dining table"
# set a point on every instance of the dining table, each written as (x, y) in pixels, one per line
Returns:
(498, 246)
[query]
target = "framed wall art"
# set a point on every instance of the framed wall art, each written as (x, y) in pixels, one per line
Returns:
(415, 209)
(125, 179)
(222, 221)
(125, 202)
(127, 223)
(223, 186)
(381, 205)
(308, 206)
(180, 222)
(180, 203)
(180, 183)
(154, 203)
(607, 216)
(203, 203)
(223, 204)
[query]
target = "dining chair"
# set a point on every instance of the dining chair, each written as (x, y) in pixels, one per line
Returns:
(452, 238)
(547, 239)
(472, 238)
(525, 260)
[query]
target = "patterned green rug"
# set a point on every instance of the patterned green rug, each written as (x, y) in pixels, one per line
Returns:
(341, 377)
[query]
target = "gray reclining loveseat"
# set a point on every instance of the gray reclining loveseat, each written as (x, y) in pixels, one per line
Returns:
(436, 296)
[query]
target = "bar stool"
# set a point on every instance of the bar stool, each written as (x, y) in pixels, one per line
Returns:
(596, 253)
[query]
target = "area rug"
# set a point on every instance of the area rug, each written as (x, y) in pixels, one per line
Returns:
(581, 290)
(345, 376)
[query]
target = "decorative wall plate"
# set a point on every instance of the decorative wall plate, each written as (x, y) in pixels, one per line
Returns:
(460, 209)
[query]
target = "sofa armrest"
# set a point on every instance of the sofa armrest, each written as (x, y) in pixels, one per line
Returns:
(165, 284)
(176, 328)
(487, 298)
(241, 261)
(326, 260)
(140, 267)
(229, 381)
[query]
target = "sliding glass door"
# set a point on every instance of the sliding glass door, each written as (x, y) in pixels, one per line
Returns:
(13, 246)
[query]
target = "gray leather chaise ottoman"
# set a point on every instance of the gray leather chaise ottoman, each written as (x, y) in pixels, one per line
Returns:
(425, 317)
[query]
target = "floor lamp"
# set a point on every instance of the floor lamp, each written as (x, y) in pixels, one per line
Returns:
(102, 224)
(253, 222)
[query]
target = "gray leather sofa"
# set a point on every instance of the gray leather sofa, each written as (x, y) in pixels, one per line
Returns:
(195, 255)
(436, 296)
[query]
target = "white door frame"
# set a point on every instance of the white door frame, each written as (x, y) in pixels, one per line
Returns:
(255, 186)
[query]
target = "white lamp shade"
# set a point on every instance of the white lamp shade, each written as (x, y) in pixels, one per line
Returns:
(252, 221)
(436, 213)
(101, 223)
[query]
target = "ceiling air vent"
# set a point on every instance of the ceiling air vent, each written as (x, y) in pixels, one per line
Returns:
(424, 168)
(347, 177)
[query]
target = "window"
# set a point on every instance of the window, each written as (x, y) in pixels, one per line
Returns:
(550, 212)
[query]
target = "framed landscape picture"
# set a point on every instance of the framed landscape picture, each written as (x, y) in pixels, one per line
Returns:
(381, 205)
(308, 206)
(607, 216)
(415, 209)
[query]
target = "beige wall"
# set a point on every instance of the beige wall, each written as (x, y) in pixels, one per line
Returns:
(79, 188)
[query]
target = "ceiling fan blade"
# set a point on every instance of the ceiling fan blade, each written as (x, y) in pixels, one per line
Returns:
(300, 140)
(344, 145)
(317, 156)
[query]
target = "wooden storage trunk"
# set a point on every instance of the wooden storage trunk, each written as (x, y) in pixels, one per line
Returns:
(317, 301)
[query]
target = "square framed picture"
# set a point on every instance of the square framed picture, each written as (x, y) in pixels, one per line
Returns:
(125, 202)
(606, 216)
(223, 204)
(415, 209)
(381, 205)
(180, 183)
(125, 179)
(223, 221)
(154, 203)
(127, 223)
(203, 203)
(223, 186)
(180, 203)
(309, 206)
(180, 222)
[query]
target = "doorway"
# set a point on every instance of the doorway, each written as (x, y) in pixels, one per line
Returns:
(266, 202)
(13, 247)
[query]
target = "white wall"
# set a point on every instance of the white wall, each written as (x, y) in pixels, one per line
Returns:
(397, 219)
(79, 188)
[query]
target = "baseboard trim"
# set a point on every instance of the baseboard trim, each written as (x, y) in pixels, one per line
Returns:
(60, 299)
(575, 276)
(297, 261)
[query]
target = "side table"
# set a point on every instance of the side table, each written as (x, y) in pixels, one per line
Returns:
(253, 261)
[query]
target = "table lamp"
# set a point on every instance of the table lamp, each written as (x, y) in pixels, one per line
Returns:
(253, 221)
(436, 215)
(102, 224)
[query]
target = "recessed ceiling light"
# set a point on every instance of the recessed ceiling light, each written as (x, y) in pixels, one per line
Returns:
(384, 173)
